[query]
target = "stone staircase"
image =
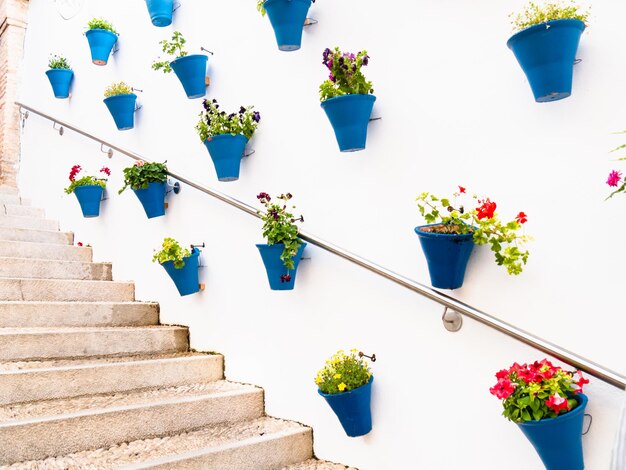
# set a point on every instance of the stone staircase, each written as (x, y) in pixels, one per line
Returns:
(89, 379)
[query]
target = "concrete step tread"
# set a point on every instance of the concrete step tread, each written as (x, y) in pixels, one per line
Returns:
(67, 407)
(84, 303)
(84, 329)
(48, 251)
(146, 451)
(35, 235)
(68, 263)
(314, 464)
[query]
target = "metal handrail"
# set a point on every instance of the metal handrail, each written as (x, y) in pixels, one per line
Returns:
(609, 376)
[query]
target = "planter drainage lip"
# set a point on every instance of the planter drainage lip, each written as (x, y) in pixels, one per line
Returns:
(582, 403)
(110, 98)
(269, 2)
(563, 23)
(421, 233)
(350, 97)
(190, 56)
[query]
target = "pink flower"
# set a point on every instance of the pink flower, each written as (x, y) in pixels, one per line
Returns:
(614, 178)
(503, 389)
(581, 381)
(139, 163)
(105, 170)
(557, 403)
(75, 170)
(502, 374)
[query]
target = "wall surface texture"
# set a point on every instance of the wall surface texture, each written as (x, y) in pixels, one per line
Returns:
(456, 110)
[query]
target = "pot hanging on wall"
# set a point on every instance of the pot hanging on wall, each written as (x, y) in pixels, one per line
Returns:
(122, 108)
(226, 151)
(287, 18)
(353, 409)
(185, 278)
(546, 52)
(60, 79)
(191, 71)
(101, 43)
(152, 199)
(275, 267)
(89, 197)
(349, 115)
(447, 255)
(160, 12)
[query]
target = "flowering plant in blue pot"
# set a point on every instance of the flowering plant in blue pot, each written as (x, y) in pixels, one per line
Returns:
(101, 36)
(148, 181)
(121, 102)
(453, 230)
(345, 382)
(287, 18)
(545, 46)
(88, 190)
(226, 135)
(283, 251)
(181, 265)
(548, 405)
(347, 97)
(190, 69)
(60, 75)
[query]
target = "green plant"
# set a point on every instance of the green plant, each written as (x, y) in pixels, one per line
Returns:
(531, 392)
(174, 47)
(345, 76)
(343, 373)
(536, 14)
(141, 174)
(214, 122)
(171, 251)
(58, 62)
(119, 88)
(99, 23)
(482, 222)
(86, 180)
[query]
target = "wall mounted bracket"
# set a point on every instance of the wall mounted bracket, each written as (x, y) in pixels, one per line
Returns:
(452, 320)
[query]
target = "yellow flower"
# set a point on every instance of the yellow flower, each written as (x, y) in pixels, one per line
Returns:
(337, 376)
(341, 387)
(318, 380)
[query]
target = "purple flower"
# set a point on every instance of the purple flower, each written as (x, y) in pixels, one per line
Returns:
(331, 77)
(366, 60)
(285, 278)
(614, 178)
(256, 117)
(262, 196)
(242, 110)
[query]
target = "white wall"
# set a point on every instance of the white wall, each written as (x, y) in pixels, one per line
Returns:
(456, 109)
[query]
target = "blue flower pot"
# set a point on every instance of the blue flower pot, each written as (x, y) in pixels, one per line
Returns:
(152, 199)
(447, 256)
(89, 198)
(287, 18)
(275, 267)
(191, 71)
(122, 108)
(353, 409)
(558, 441)
(101, 43)
(349, 115)
(226, 151)
(546, 53)
(185, 278)
(60, 79)
(160, 12)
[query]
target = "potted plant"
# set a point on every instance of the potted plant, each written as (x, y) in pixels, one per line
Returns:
(147, 180)
(190, 69)
(453, 230)
(545, 46)
(88, 190)
(283, 251)
(548, 405)
(160, 12)
(181, 265)
(121, 101)
(226, 135)
(60, 75)
(101, 36)
(347, 98)
(345, 382)
(287, 18)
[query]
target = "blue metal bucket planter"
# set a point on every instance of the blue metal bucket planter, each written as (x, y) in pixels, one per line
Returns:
(447, 256)
(275, 267)
(122, 108)
(89, 198)
(353, 409)
(60, 79)
(152, 199)
(546, 52)
(558, 441)
(287, 18)
(226, 151)
(185, 278)
(160, 12)
(349, 115)
(101, 43)
(191, 71)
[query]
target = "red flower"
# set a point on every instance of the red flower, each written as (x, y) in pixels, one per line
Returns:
(527, 375)
(557, 403)
(503, 389)
(105, 170)
(461, 189)
(521, 218)
(485, 210)
(581, 381)
(74, 171)
(502, 374)
(79, 244)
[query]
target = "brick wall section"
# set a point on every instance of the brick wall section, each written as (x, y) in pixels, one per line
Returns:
(12, 31)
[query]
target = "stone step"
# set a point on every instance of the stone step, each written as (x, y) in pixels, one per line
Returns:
(45, 380)
(52, 343)
(13, 199)
(17, 249)
(54, 269)
(38, 430)
(259, 444)
(19, 314)
(22, 211)
(37, 236)
(28, 223)
(314, 464)
(66, 290)
(4, 189)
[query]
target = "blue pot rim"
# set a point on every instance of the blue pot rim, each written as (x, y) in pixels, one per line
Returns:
(194, 254)
(265, 245)
(225, 136)
(566, 22)
(582, 403)
(123, 95)
(59, 70)
(350, 97)
(346, 393)
(88, 186)
(421, 233)
(283, 1)
(102, 31)
(191, 56)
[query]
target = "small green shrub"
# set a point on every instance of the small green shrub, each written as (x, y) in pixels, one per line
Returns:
(536, 14)
(58, 62)
(141, 174)
(86, 180)
(215, 122)
(171, 251)
(99, 23)
(345, 76)
(343, 373)
(119, 88)
(174, 47)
